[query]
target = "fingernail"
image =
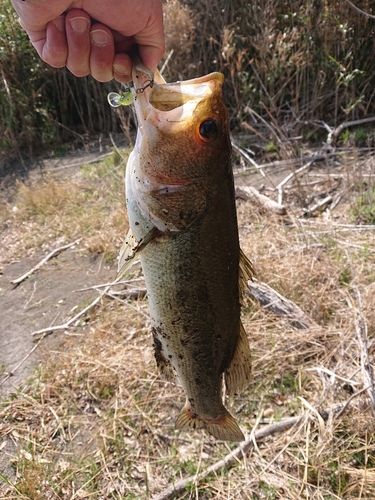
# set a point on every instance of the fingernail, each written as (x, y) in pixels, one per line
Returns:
(59, 22)
(121, 70)
(99, 37)
(79, 24)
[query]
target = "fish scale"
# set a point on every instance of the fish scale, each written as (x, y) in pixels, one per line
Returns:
(183, 228)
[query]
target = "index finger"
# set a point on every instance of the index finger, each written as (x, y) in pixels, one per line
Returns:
(50, 43)
(151, 43)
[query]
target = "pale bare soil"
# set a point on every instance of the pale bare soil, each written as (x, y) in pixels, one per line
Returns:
(95, 420)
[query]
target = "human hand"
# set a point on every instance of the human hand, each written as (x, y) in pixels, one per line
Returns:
(94, 36)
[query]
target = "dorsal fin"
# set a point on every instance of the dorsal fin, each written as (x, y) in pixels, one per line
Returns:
(246, 273)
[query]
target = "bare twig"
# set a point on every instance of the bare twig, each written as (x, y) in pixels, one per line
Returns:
(251, 193)
(116, 148)
(319, 206)
(230, 459)
(112, 283)
(279, 187)
(331, 374)
(165, 64)
(52, 254)
(130, 294)
(78, 163)
(346, 405)
(334, 133)
(250, 160)
(9, 374)
(269, 298)
(71, 321)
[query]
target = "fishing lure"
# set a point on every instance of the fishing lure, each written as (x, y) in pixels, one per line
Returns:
(124, 99)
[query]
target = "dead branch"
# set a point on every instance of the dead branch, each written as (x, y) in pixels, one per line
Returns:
(72, 320)
(318, 206)
(112, 283)
(165, 63)
(9, 374)
(116, 148)
(229, 460)
(279, 187)
(250, 161)
(251, 193)
(129, 293)
(135, 293)
(232, 458)
(269, 298)
(52, 254)
(334, 133)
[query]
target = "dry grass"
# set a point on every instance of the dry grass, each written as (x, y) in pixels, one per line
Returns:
(47, 211)
(97, 421)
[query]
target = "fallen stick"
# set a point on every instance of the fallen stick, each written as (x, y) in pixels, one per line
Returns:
(229, 460)
(9, 374)
(334, 133)
(66, 325)
(135, 293)
(318, 206)
(250, 161)
(232, 458)
(129, 293)
(279, 305)
(280, 186)
(52, 254)
(251, 193)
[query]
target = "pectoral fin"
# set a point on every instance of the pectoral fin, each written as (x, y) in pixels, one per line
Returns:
(131, 249)
(237, 376)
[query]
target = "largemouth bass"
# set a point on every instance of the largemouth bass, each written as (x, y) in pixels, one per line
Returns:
(183, 227)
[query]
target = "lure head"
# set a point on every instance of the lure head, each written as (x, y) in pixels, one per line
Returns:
(124, 99)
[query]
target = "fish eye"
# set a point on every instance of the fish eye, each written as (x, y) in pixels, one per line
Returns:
(208, 129)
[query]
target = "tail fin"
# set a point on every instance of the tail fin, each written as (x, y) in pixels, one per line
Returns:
(224, 427)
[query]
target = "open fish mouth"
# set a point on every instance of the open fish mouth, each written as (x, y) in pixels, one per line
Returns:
(175, 103)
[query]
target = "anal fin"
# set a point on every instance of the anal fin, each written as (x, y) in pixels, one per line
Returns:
(164, 365)
(223, 427)
(238, 374)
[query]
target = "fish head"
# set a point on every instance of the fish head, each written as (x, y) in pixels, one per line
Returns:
(183, 146)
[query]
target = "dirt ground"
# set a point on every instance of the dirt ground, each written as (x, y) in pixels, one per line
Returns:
(51, 295)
